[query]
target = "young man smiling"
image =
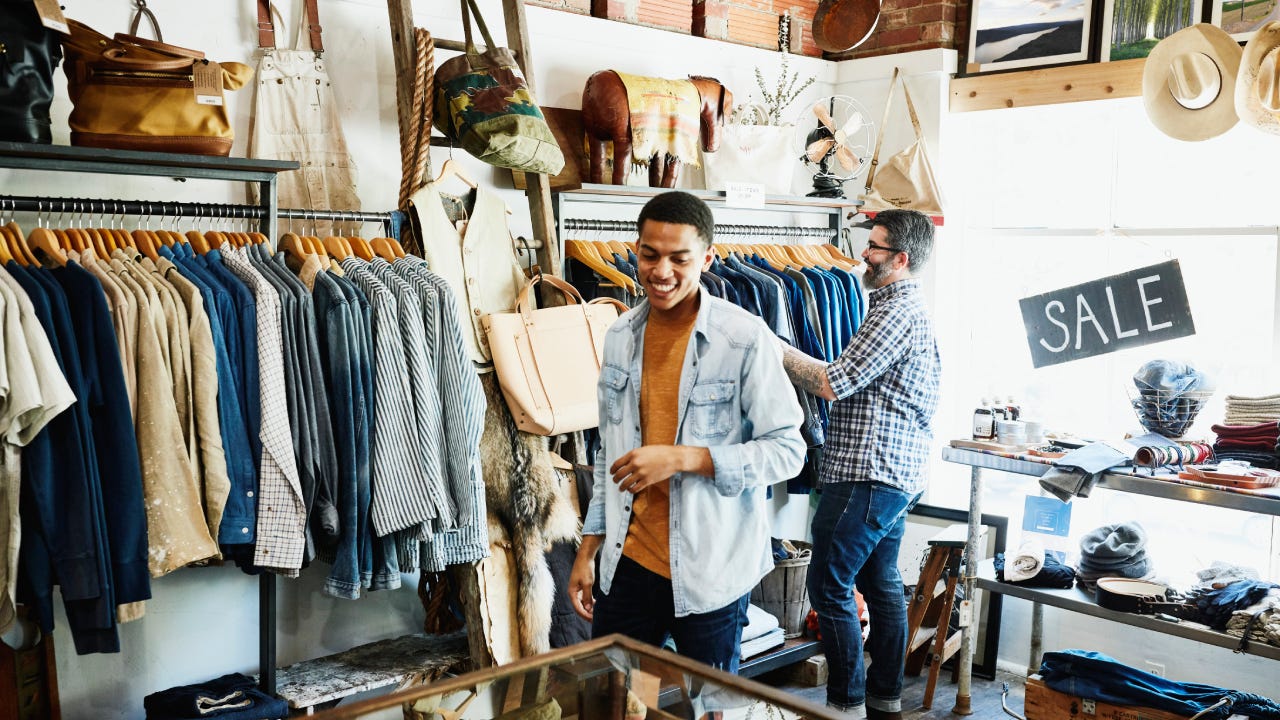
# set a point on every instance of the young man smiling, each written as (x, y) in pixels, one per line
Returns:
(697, 419)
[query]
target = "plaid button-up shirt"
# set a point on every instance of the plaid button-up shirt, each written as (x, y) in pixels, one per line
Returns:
(887, 384)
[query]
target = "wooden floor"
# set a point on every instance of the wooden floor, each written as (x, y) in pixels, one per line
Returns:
(984, 696)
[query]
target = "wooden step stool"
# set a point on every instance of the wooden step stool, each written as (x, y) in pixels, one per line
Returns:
(929, 612)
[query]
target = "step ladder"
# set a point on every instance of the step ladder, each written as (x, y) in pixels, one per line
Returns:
(929, 642)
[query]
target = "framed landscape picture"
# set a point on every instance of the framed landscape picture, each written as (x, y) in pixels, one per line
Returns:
(1130, 28)
(1241, 18)
(1006, 34)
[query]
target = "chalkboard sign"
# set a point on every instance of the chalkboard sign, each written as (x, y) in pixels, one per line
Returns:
(1140, 307)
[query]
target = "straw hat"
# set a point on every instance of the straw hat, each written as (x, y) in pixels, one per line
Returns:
(1189, 83)
(1258, 84)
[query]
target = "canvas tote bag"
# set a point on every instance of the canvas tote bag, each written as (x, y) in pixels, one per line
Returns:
(906, 181)
(753, 152)
(548, 359)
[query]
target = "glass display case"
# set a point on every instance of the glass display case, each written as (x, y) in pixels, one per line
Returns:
(609, 678)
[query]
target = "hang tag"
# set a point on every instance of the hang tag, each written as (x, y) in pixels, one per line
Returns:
(51, 16)
(206, 77)
(744, 194)
(966, 614)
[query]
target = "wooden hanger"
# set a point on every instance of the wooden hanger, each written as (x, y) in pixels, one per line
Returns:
(617, 247)
(387, 248)
(589, 255)
(294, 247)
(360, 247)
(198, 241)
(5, 257)
(18, 245)
(47, 243)
(450, 169)
(835, 254)
(337, 247)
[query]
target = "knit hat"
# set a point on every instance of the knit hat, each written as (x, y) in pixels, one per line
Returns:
(1118, 549)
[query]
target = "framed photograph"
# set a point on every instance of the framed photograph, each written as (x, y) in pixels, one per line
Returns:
(1241, 18)
(926, 521)
(1130, 28)
(1008, 34)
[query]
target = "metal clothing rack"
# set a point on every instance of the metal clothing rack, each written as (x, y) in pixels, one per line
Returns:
(590, 225)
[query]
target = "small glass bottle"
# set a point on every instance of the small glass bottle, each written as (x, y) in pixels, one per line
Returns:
(998, 409)
(984, 421)
(1012, 408)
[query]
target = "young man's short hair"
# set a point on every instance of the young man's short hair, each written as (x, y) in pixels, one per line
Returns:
(680, 208)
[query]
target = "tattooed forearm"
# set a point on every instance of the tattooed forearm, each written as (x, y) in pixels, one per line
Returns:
(807, 373)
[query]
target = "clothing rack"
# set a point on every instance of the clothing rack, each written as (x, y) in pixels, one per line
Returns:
(629, 226)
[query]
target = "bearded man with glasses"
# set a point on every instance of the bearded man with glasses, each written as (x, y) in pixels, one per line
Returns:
(884, 388)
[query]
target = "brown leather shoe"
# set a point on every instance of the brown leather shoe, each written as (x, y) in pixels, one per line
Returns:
(874, 714)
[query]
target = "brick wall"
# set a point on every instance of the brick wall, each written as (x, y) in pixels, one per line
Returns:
(904, 26)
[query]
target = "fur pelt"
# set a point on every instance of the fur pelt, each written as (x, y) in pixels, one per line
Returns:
(521, 488)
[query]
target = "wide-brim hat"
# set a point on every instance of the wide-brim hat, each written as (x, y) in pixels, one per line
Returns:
(1258, 84)
(1189, 83)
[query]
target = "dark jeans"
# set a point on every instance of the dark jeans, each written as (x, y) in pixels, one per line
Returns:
(639, 605)
(857, 530)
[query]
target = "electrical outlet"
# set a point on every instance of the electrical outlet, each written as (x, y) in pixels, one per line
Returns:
(1155, 668)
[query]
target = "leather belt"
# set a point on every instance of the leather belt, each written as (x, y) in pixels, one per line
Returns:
(1140, 596)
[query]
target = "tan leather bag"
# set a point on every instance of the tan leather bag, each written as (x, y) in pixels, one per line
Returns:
(548, 359)
(130, 93)
(906, 181)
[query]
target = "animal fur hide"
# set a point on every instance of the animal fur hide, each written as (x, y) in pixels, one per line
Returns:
(521, 488)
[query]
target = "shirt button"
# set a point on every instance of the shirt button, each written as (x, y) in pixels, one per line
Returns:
(244, 530)
(626, 508)
(618, 545)
(477, 312)
(250, 493)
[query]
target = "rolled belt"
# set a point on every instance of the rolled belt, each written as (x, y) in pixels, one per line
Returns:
(1141, 596)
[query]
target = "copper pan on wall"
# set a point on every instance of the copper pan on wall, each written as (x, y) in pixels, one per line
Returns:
(841, 25)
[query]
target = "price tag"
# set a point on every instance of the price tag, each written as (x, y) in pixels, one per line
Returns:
(51, 16)
(745, 195)
(206, 77)
(966, 614)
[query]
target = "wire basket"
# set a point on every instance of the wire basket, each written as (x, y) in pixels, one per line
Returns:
(1167, 412)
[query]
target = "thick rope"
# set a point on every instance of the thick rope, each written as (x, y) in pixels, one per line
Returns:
(415, 144)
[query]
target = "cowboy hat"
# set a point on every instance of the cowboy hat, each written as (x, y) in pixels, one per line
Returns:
(1258, 84)
(1189, 81)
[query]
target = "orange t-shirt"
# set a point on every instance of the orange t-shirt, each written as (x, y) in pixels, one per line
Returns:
(649, 538)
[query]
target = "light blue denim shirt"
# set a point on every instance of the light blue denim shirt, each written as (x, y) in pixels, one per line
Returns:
(735, 399)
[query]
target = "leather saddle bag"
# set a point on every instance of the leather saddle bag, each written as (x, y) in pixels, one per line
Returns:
(130, 93)
(548, 359)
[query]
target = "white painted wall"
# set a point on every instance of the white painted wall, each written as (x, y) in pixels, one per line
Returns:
(203, 622)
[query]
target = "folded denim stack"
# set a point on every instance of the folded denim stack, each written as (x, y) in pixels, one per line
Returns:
(1243, 410)
(230, 697)
(1254, 443)
(1117, 550)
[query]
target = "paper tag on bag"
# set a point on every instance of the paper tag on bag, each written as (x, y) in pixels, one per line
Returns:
(206, 77)
(51, 16)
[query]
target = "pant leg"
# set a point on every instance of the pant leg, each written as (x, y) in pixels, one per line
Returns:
(639, 604)
(714, 638)
(881, 587)
(851, 520)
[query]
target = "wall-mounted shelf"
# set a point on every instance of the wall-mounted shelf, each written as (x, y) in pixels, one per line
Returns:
(1048, 86)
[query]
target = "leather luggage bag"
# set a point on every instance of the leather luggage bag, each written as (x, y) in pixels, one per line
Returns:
(29, 53)
(130, 93)
(548, 359)
(906, 180)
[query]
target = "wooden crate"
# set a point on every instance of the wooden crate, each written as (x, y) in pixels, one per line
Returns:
(1045, 703)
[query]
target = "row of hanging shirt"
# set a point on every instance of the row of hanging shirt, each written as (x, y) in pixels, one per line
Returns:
(228, 404)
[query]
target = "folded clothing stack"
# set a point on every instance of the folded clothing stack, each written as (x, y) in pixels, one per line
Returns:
(1252, 410)
(1117, 550)
(1052, 573)
(1259, 622)
(1255, 443)
(230, 697)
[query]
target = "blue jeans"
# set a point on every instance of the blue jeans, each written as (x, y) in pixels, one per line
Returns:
(857, 531)
(1092, 675)
(639, 605)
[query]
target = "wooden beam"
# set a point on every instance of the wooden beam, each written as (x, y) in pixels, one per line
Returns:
(539, 186)
(1047, 86)
(404, 51)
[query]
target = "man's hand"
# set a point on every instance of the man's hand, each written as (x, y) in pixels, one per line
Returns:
(582, 578)
(651, 464)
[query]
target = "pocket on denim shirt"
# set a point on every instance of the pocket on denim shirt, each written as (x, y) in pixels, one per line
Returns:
(711, 408)
(614, 386)
(885, 505)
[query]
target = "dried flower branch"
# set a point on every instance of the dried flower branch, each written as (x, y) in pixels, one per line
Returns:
(785, 91)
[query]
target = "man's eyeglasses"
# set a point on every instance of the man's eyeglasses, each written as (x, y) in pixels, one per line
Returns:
(872, 246)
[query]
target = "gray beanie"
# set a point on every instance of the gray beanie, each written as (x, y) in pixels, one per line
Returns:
(1118, 549)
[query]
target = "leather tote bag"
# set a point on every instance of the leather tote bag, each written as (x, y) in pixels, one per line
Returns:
(130, 93)
(29, 53)
(753, 152)
(484, 105)
(906, 180)
(548, 359)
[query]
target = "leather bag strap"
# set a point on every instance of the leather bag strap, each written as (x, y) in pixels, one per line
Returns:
(524, 304)
(120, 57)
(142, 9)
(884, 119)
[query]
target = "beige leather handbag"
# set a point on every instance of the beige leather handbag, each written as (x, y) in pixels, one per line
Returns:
(548, 359)
(906, 180)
